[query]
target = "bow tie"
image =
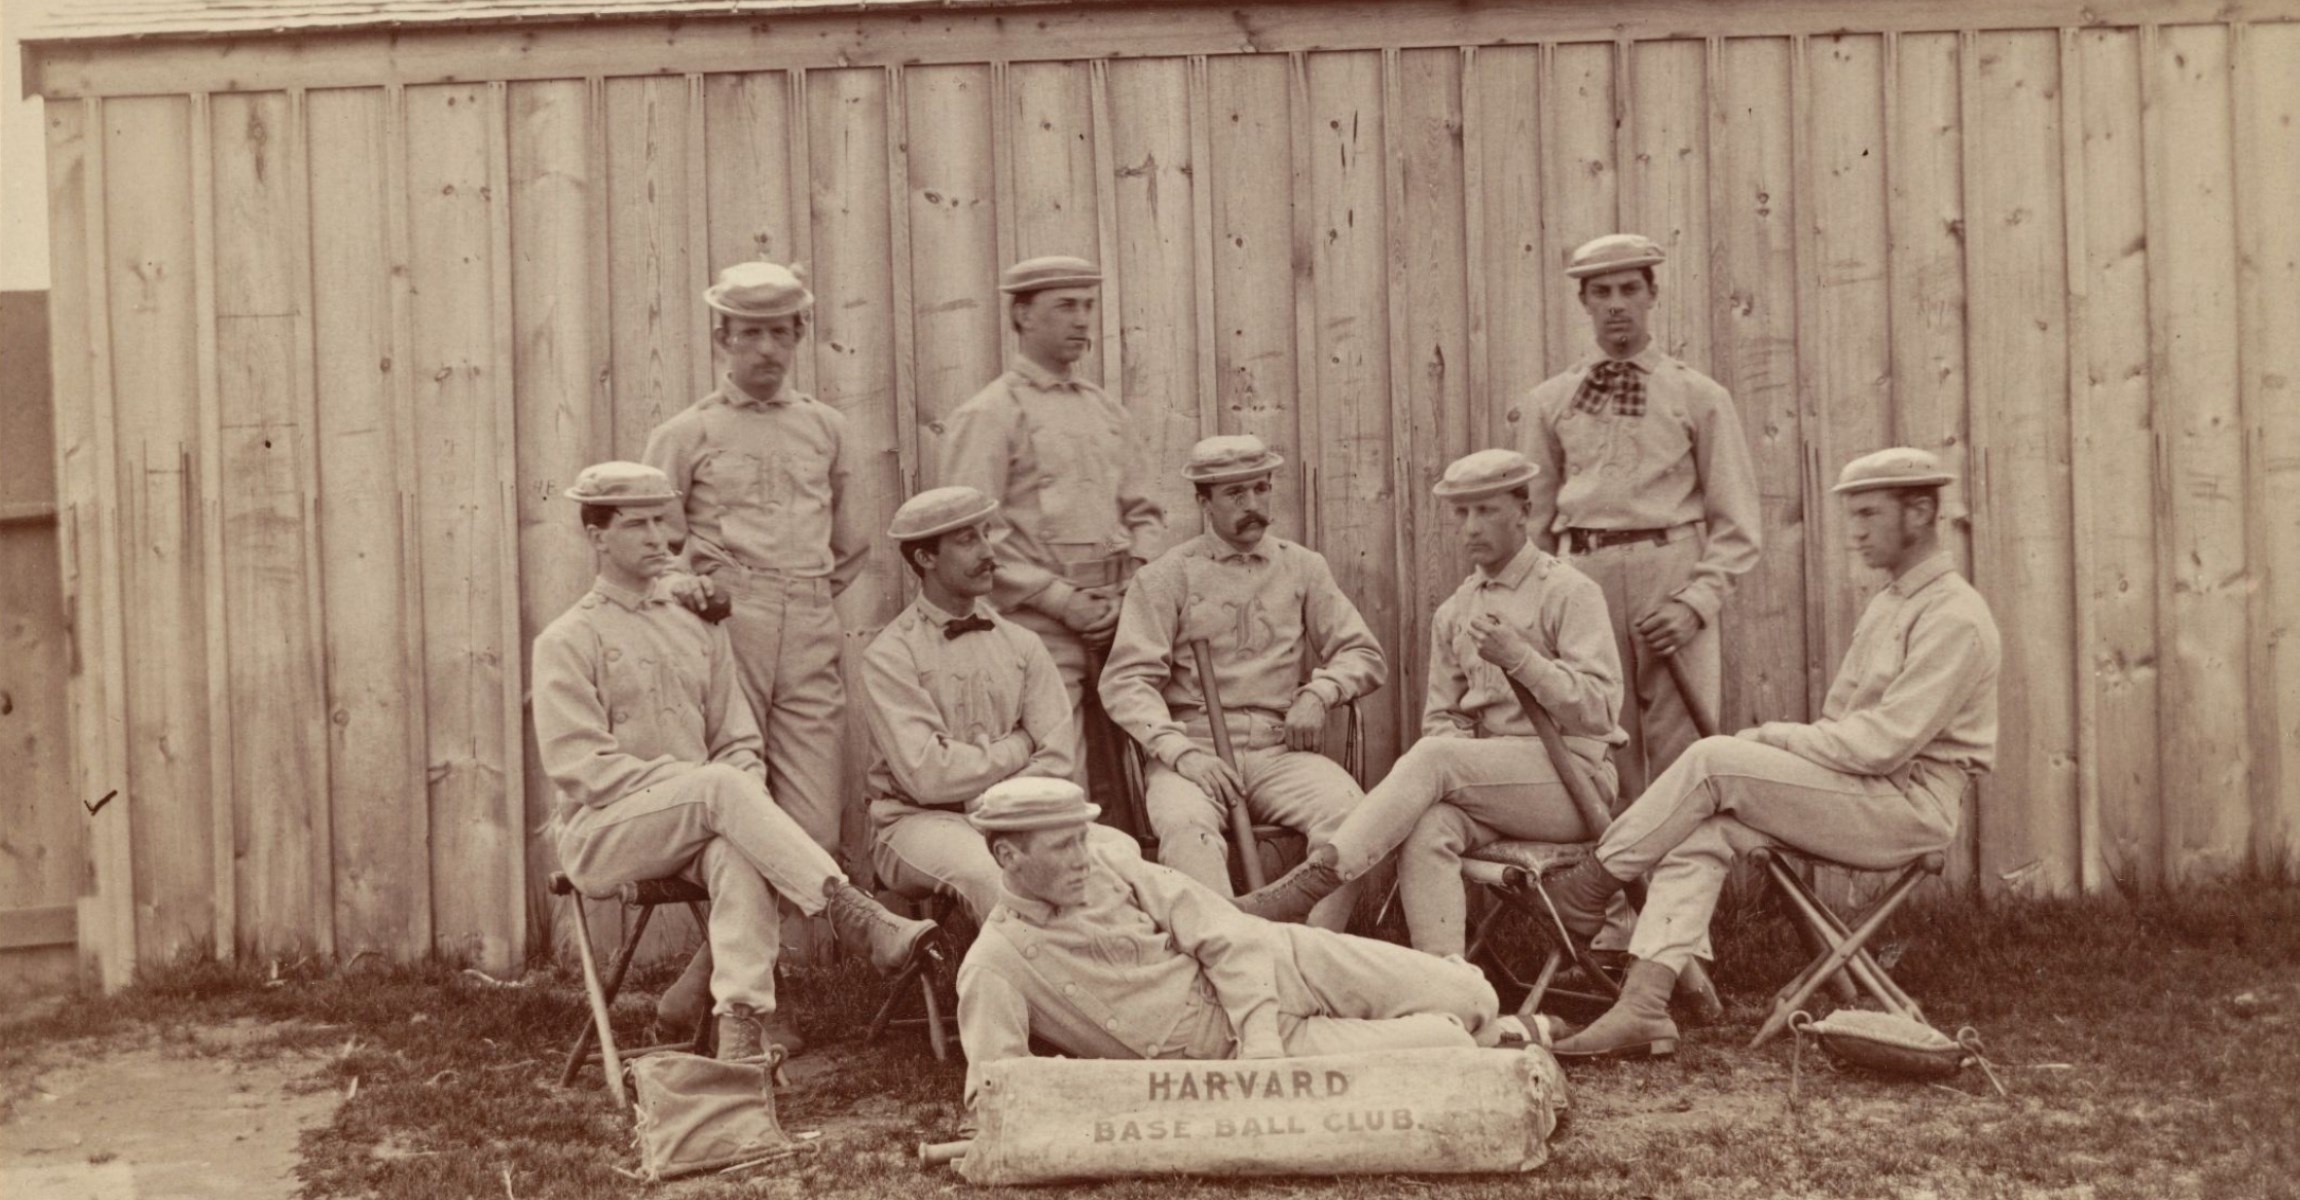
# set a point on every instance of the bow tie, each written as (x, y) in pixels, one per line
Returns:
(1613, 384)
(964, 625)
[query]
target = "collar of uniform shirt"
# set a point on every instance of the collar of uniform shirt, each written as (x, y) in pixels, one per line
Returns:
(1512, 572)
(1036, 375)
(1647, 360)
(736, 397)
(1933, 567)
(1036, 912)
(938, 618)
(625, 596)
(1223, 552)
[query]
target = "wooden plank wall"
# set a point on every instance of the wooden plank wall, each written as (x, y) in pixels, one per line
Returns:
(327, 357)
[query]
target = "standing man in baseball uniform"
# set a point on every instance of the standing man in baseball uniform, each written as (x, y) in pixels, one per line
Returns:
(763, 469)
(1059, 455)
(1877, 781)
(1646, 487)
(1287, 647)
(655, 755)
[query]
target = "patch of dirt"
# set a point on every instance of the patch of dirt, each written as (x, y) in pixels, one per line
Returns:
(205, 1114)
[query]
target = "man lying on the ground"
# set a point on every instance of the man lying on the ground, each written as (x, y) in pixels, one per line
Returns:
(1876, 782)
(1106, 955)
(644, 730)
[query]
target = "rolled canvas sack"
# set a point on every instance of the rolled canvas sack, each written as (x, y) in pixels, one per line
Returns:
(1885, 1042)
(1041, 1120)
(691, 1113)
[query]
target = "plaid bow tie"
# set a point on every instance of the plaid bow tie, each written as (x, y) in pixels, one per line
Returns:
(1615, 384)
(964, 625)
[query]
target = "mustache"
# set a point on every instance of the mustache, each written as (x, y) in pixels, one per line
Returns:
(1252, 519)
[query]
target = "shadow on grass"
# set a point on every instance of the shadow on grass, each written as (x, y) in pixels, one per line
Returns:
(2135, 1072)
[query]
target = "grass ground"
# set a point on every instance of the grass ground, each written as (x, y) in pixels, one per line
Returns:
(2149, 1047)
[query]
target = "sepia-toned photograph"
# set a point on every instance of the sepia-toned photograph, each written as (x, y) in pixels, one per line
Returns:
(1330, 599)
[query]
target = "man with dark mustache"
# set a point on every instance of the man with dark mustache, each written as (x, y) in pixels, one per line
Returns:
(1059, 456)
(1287, 647)
(958, 698)
(1646, 487)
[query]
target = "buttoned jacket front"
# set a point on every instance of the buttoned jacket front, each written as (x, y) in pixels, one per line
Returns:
(1061, 458)
(1575, 672)
(1685, 459)
(633, 690)
(1151, 965)
(765, 483)
(951, 716)
(1274, 619)
(1918, 684)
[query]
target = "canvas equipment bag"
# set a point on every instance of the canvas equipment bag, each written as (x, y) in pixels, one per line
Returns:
(692, 1114)
(1894, 1044)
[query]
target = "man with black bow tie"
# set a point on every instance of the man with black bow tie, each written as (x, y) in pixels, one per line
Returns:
(958, 698)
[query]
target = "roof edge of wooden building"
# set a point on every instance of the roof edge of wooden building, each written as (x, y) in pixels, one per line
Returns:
(161, 47)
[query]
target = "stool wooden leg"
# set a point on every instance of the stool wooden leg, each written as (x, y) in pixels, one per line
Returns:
(1863, 968)
(935, 1036)
(1533, 996)
(1841, 954)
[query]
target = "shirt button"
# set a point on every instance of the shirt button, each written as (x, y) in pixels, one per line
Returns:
(1030, 952)
(1112, 1023)
(614, 654)
(1046, 481)
(622, 714)
(1070, 989)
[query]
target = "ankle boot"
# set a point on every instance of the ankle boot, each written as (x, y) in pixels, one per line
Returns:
(1581, 896)
(1638, 1023)
(1291, 896)
(739, 1035)
(685, 1003)
(862, 922)
(777, 1030)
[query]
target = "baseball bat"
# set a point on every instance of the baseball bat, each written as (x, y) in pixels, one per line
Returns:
(1595, 816)
(1241, 822)
(1703, 723)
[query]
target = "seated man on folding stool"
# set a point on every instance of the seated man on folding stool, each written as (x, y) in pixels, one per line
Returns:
(1270, 612)
(643, 728)
(1480, 774)
(1105, 954)
(1876, 782)
(958, 698)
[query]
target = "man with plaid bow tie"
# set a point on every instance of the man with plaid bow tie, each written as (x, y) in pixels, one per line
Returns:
(1647, 487)
(958, 698)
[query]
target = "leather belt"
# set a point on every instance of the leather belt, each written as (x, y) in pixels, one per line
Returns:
(1584, 541)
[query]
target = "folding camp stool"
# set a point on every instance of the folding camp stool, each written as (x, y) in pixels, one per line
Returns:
(920, 978)
(639, 901)
(1845, 941)
(1512, 872)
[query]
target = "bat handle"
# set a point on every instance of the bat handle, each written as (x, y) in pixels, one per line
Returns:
(1241, 822)
(935, 1154)
(1703, 723)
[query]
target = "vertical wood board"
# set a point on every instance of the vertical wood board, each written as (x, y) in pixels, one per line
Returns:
(477, 813)
(374, 706)
(148, 263)
(2016, 273)
(2194, 357)
(279, 772)
(2113, 424)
